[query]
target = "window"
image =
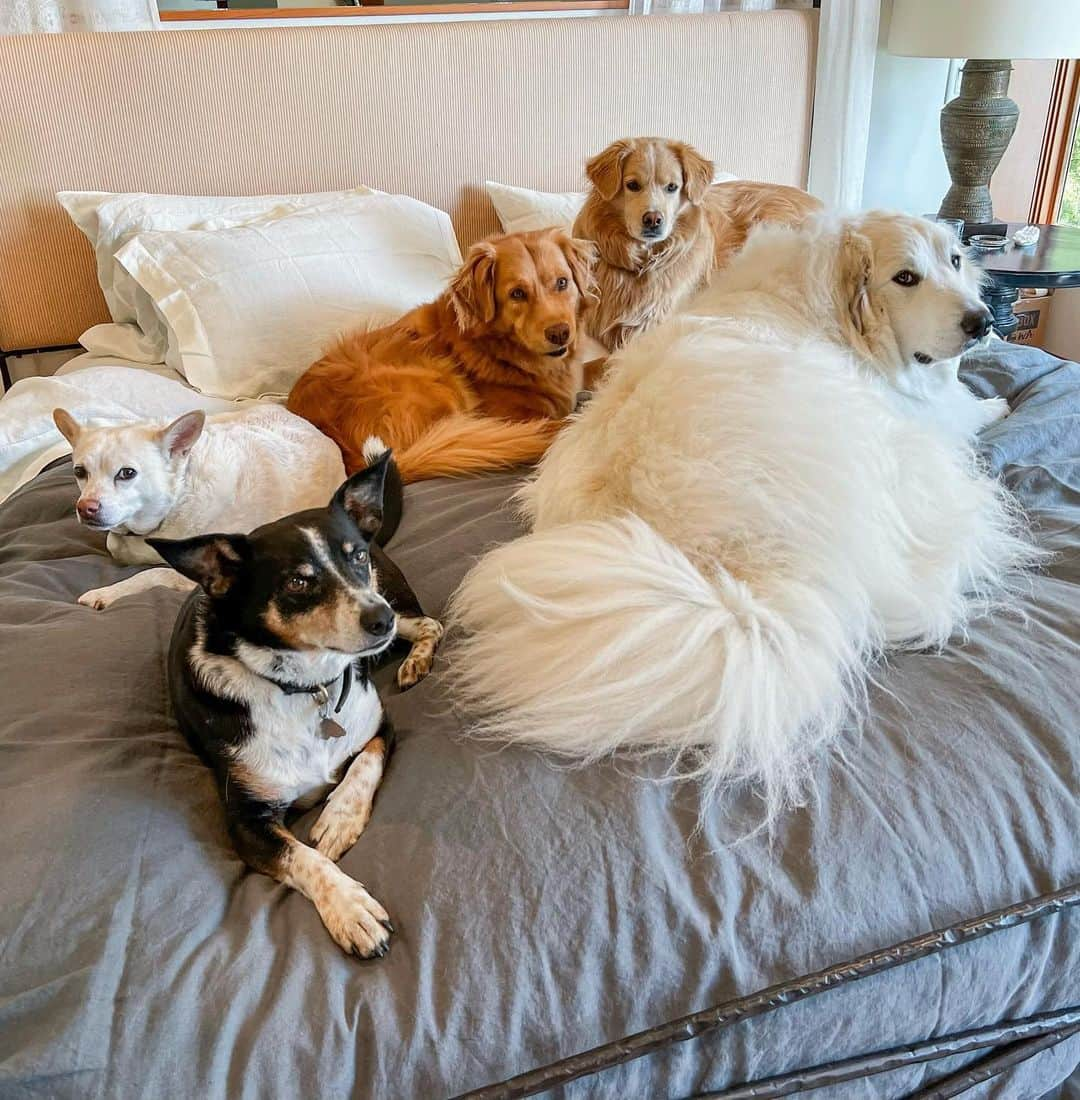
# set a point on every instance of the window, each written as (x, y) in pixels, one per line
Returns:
(1069, 211)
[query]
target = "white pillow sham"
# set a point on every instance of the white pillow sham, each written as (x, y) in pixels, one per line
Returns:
(111, 219)
(250, 307)
(521, 209)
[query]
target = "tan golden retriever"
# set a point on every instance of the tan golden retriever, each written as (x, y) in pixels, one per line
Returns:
(478, 379)
(661, 227)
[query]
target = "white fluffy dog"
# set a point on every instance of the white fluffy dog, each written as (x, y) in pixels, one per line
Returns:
(768, 492)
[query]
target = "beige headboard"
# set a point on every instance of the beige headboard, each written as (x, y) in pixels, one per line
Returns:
(427, 109)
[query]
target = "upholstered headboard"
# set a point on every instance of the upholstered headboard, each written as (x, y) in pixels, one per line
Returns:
(427, 109)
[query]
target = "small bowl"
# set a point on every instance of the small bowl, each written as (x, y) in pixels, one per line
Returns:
(988, 242)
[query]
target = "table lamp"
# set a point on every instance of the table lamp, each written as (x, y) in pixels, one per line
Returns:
(976, 126)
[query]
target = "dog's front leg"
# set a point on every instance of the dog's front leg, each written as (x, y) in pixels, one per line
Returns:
(413, 625)
(348, 806)
(355, 920)
(101, 598)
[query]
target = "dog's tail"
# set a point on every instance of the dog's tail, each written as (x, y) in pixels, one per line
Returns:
(393, 490)
(460, 445)
(592, 637)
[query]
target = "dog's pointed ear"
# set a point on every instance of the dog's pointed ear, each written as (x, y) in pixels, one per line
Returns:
(361, 497)
(698, 171)
(856, 273)
(472, 290)
(581, 256)
(68, 425)
(606, 168)
(180, 436)
(212, 561)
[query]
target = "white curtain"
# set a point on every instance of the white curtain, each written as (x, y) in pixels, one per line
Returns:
(843, 90)
(51, 16)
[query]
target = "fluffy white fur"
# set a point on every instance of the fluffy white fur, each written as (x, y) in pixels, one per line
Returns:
(230, 472)
(751, 509)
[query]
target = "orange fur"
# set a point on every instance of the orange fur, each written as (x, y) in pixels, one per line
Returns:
(466, 383)
(642, 282)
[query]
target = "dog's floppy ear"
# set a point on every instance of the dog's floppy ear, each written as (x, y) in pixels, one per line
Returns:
(179, 437)
(68, 425)
(605, 169)
(698, 171)
(211, 561)
(361, 497)
(472, 290)
(856, 272)
(581, 256)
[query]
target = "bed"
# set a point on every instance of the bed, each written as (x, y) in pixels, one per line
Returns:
(566, 932)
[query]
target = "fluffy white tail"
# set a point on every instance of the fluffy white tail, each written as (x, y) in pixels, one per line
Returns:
(591, 637)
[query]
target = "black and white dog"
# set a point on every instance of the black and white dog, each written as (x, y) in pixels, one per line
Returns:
(268, 679)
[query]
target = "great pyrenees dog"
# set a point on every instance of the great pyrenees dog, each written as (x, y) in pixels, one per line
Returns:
(769, 492)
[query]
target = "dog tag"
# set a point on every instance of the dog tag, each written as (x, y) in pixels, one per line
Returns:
(329, 728)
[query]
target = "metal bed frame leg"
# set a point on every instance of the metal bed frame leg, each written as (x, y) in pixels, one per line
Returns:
(993, 1065)
(630, 1047)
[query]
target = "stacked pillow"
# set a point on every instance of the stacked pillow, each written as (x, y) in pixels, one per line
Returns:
(240, 295)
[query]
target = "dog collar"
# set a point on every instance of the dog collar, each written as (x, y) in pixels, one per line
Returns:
(321, 692)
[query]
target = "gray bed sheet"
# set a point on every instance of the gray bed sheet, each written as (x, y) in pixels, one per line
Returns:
(540, 910)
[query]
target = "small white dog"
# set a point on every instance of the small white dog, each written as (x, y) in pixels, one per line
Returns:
(230, 472)
(767, 493)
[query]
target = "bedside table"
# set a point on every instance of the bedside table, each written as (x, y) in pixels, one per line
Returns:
(1053, 261)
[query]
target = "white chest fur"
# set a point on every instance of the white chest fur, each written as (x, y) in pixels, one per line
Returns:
(288, 758)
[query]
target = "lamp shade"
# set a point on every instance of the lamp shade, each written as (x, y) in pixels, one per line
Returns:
(985, 29)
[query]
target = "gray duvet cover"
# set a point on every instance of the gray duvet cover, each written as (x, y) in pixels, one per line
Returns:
(540, 910)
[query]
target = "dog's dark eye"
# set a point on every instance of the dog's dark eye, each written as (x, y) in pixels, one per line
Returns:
(79, 472)
(561, 283)
(956, 261)
(358, 557)
(518, 294)
(906, 278)
(297, 584)
(672, 187)
(633, 185)
(125, 473)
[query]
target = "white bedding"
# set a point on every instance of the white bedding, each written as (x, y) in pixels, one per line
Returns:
(91, 388)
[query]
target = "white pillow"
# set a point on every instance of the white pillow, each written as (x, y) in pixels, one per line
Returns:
(521, 209)
(109, 220)
(249, 308)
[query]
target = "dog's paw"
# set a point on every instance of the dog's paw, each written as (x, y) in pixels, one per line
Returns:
(358, 924)
(336, 829)
(426, 635)
(98, 598)
(414, 668)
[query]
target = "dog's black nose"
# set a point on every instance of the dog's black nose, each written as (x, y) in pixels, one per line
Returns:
(557, 334)
(652, 220)
(976, 323)
(378, 621)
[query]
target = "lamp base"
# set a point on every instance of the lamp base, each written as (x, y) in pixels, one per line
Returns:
(976, 128)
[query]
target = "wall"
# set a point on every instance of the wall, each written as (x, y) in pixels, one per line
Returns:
(1014, 181)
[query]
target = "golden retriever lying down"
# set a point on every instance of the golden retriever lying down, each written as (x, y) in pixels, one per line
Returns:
(477, 380)
(661, 227)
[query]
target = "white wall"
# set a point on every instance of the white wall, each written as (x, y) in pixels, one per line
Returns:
(905, 167)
